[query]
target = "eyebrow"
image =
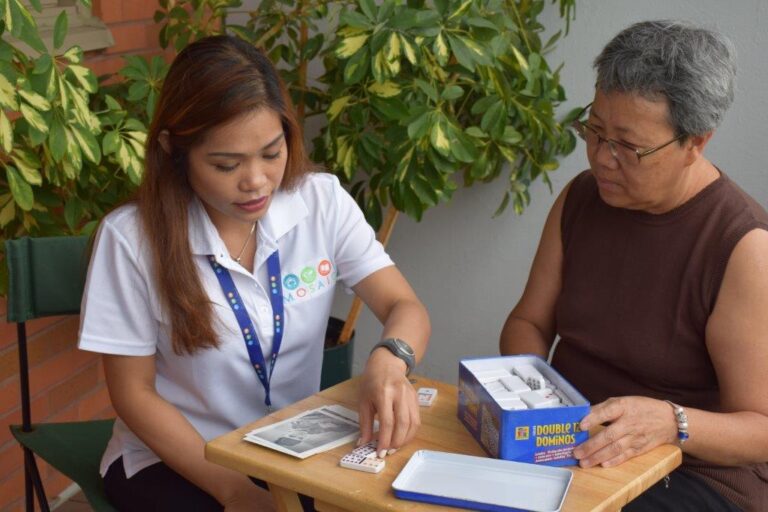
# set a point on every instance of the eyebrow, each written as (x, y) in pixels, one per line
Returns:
(620, 129)
(266, 146)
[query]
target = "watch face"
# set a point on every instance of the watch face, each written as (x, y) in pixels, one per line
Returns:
(404, 346)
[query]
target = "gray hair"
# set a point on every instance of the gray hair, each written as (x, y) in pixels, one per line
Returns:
(693, 68)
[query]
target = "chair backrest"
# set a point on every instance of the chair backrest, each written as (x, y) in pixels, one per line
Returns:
(45, 276)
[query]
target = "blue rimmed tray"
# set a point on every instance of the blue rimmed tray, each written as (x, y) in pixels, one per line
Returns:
(481, 483)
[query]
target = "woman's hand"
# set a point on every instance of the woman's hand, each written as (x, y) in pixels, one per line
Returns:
(386, 392)
(636, 425)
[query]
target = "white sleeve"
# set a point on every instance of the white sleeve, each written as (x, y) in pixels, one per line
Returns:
(116, 315)
(358, 253)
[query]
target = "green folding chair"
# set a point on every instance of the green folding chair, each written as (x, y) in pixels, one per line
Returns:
(45, 278)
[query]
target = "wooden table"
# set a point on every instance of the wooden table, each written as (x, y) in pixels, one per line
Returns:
(336, 489)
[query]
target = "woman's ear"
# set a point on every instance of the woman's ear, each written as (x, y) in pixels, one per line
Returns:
(164, 138)
(697, 145)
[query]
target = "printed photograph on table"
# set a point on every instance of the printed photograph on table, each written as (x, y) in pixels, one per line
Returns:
(311, 432)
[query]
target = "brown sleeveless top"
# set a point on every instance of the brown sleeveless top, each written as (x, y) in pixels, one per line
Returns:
(637, 291)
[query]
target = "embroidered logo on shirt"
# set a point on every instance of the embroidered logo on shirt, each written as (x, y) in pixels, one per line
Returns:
(308, 280)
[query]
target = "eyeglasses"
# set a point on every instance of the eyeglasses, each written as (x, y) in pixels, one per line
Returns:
(626, 154)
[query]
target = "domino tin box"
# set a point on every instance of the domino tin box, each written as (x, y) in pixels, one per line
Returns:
(543, 435)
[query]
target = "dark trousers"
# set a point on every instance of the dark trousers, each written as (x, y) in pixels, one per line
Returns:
(159, 488)
(685, 492)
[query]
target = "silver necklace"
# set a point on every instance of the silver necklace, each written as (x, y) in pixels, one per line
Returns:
(250, 234)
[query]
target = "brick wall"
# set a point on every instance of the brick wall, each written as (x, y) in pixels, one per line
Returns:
(66, 384)
(133, 28)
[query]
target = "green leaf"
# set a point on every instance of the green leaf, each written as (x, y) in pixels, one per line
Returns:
(8, 94)
(386, 9)
(520, 59)
(511, 136)
(409, 50)
(57, 139)
(419, 127)
(34, 118)
(6, 133)
(463, 8)
(136, 140)
(503, 205)
(508, 153)
(23, 26)
(440, 49)
(393, 49)
(463, 149)
(422, 188)
(427, 88)
(385, 90)
(369, 9)
(439, 138)
(355, 68)
(337, 106)
(110, 142)
(476, 21)
(134, 125)
(350, 46)
(8, 213)
(34, 99)
(42, 64)
(452, 92)
(138, 91)
(355, 20)
(391, 109)
(85, 77)
(112, 103)
(74, 160)
(474, 131)
(28, 165)
(60, 29)
(73, 212)
(81, 105)
(551, 165)
(74, 55)
(493, 120)
(88, 143)
(21, 190)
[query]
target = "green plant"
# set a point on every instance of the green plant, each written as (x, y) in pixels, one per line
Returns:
(185, 21)
(410, 97)
(56, 179)
(416, 94)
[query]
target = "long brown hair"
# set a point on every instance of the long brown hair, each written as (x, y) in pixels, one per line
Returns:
(212, 81)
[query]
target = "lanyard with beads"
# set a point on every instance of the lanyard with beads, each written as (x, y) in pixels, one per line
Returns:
(244, 320)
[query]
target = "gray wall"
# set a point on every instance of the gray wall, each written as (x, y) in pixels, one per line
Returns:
(470, 269)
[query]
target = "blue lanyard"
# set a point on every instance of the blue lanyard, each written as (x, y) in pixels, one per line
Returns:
(244, 320)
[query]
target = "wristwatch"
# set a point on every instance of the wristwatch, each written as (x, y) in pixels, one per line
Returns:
(400, 349)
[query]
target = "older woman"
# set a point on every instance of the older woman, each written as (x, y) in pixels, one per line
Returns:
(653, 270)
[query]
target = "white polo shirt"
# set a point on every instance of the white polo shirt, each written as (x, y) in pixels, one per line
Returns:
(322, 237)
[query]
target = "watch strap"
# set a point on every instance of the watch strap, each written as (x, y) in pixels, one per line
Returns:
(394, 346)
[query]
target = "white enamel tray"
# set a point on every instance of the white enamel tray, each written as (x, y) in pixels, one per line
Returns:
(481, 483)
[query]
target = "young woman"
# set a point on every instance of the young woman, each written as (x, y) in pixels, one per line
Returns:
(209, 294)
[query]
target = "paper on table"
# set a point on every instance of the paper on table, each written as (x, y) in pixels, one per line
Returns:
(310, 432)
